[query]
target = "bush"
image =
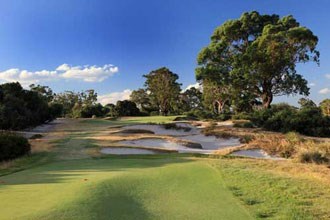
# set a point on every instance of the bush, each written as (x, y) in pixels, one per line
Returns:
(285, 118)
(21, 108)
(13, 146)
(222, 117)
(243, 124)
(127, 108)
(313, 157)
(241, 116)
(154, 113)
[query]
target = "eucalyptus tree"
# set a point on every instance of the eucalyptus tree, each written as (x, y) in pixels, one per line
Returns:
(258, 54)
(191, 99)
(164, 89)
(142, 100)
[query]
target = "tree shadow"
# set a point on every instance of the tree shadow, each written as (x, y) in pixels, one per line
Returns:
(80, 169)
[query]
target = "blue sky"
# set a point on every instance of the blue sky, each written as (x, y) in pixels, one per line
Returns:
(135, 37)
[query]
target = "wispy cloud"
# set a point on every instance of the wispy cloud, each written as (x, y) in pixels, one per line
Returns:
(312, 84)
(84, 73)
(114, 97)
(327, 76)
(324, 91)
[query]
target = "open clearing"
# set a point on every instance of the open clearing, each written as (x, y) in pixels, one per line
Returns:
(67, 178)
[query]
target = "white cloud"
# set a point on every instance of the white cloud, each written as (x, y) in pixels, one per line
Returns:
(312, 84)
(196, 85)
(327, 76)
(325, 91)
(84, 73)
(114, 97)
(87, 73)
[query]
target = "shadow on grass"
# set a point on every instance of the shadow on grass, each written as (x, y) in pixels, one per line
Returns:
(79, 169)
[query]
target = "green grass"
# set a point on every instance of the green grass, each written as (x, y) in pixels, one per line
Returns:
(155, 188)
(129, 120)
(272, 194)
(66, 183)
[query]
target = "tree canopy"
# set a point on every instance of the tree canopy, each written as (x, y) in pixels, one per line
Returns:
(164, 88)
(258, 54)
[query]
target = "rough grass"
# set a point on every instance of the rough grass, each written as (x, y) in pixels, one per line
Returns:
(66, 182)
(271, 192)
(291, 145)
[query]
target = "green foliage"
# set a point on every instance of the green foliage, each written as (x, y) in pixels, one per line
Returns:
(20, 108)
(306, 103)
(190, 99)
(285, 118)
(127, 108)
(201, 114)
(154, 113)
(164, 89)
(256, 55)
(56, 109)
(13, 146)
(241, 116)
(243, 124)
(143, 101)
(112, 111)
(78, 104)
(96, 110)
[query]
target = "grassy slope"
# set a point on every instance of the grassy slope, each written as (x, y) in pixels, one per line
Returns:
(168, 188)
(63, 184)
(277, 189)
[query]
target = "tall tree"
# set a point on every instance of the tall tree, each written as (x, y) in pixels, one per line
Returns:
(258, 54)
(164, 88)
(44, 91)
(306, 103)
(191, 99)
(141, 98)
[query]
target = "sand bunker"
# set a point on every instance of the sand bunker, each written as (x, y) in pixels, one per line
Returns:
(160, 130)
(254, 153)
(180, 137)
(126, 151)
(212, 142)
(163, 144)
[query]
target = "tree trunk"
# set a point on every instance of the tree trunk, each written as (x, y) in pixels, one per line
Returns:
(218, 106)
(267, 99)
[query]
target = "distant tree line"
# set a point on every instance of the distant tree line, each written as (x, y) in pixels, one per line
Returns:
(248, 62)
(21, 108)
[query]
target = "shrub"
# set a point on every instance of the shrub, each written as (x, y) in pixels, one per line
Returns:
(243, 124)
(222, 117)
(241, 116)
(154, 113)
(201, 114)
(285, 118)
(13, 146)
(313, 157)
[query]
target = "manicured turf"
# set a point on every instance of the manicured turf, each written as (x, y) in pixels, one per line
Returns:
(169, 188)
(67, 183)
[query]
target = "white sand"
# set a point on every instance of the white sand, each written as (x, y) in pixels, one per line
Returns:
(125, 151)
(255, 153)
